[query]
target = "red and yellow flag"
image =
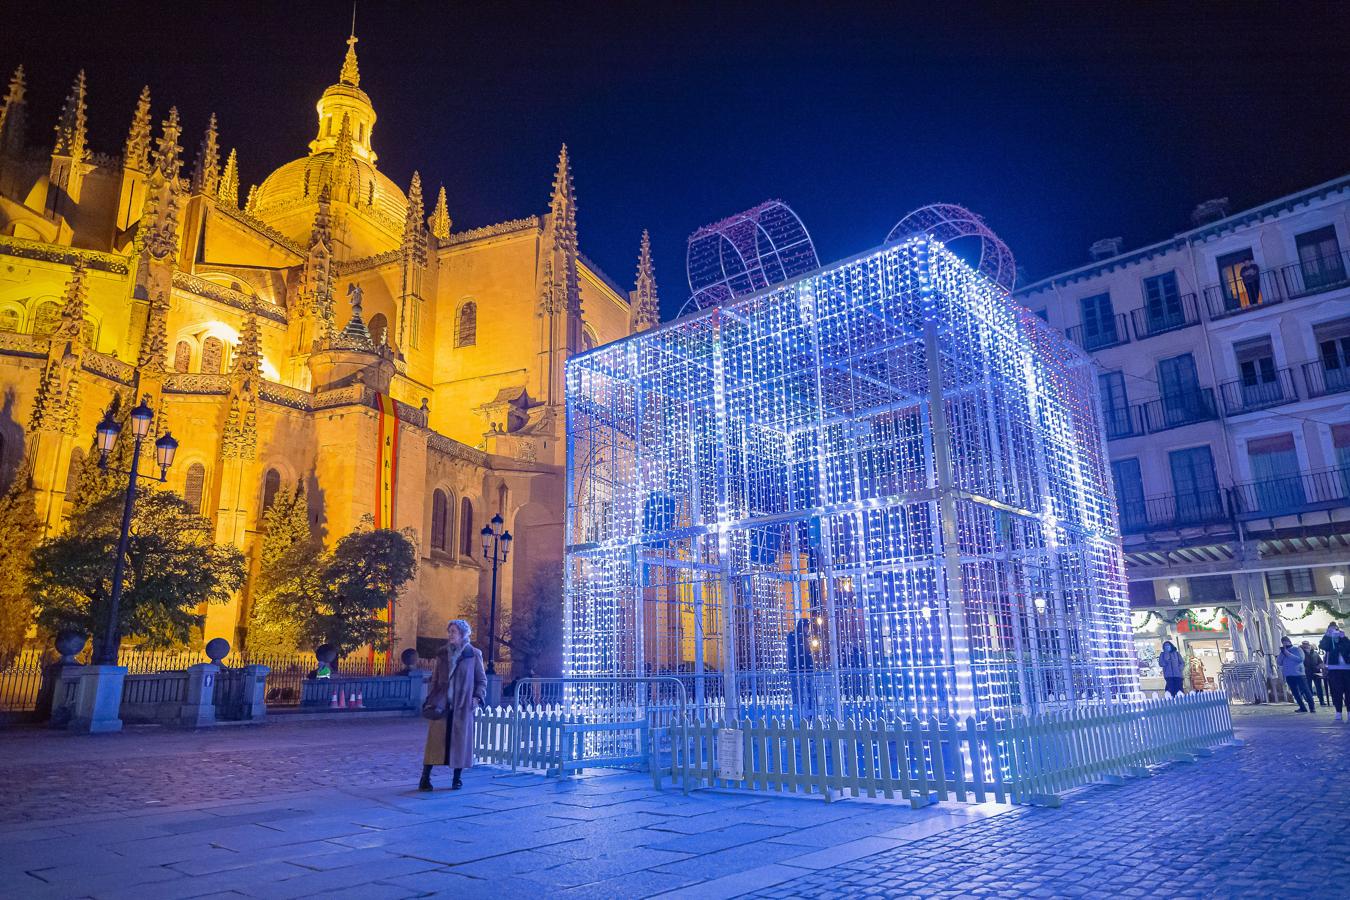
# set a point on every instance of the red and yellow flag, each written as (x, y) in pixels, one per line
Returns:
(386, 479)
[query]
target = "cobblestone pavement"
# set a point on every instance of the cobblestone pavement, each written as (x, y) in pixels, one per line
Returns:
(306, 808)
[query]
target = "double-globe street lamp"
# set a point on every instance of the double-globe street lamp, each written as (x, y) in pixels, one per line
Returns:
(108, 430)
(496, 544)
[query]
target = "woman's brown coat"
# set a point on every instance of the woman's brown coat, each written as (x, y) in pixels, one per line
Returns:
(460, 693)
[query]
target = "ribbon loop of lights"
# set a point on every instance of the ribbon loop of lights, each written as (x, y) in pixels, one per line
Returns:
(880, 490)
(746, 253)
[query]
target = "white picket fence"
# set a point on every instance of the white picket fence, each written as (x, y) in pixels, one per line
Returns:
(1020, 761)
(558, 741)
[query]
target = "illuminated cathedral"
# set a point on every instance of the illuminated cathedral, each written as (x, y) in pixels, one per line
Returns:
(325, 331)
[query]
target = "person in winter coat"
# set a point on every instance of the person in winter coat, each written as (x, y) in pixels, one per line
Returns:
(1291, 667)
(1173, 667)
(458, 687)
(1336, 654)
(1315, 671)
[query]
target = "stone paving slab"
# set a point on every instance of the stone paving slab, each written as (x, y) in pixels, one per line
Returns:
(1245, 823)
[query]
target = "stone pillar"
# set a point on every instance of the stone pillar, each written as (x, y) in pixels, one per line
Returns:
(199, 707)
(256, 692)
(98, 701)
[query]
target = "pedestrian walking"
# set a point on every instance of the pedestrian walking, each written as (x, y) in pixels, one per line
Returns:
(800, 666)
(458, 687)
(1173, 667)
(1335, 648)
(1291, 667)
(1315, 671)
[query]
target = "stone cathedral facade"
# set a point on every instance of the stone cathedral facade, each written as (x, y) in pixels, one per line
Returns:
(325, 330)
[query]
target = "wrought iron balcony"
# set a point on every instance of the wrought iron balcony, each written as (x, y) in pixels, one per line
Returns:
(1172, 511)
(1115, 333)
(1147, 323)
(1276, 285)
(1176, 410)
(1291, 494)
(1242, 396)
(1123, 422)
(1319, 380)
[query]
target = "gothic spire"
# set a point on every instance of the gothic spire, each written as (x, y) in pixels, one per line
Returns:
(317, 287)
(206, 171)
(57, 404)
(646, 310)
(561, 292)
(71, 137)
(339, 175)
(248, 353)
(137, 153)
(252, 202)
(167, 158)
(350, 74)
(12, 116)
(414, 237)
(563, 204)
(155, 344)
(440, 217)
(356, 335)
(228, 192)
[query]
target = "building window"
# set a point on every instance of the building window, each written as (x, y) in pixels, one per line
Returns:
(1195, 486)
(1277, 482)
(46, 317)
(1340, 440)
(587, 339)
(194, 486)
(1239, 279)
(379, 329)
(1211, 589)
(1115, 404)
(1129, 487)
(1099, 321)
(182, 356)
(440, 520)
(1333, 348)
(1162, 303)
(9, 320)
(1319, 259)
(466, 325)
(1256, 368)
(1181, 398)
(1289, 582)
(416, 322)
(466, 535)
(271, 484)
(213, 356)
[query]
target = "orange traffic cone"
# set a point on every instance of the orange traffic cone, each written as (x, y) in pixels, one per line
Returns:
(360, 700)
(334, 703)
(342, 698)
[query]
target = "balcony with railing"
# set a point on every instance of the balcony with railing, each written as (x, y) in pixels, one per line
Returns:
(1123, 422)
(1176, 410)
(1173, 511)
(1112, 333)
(1149, 322)
(1319, 379)
(1302, 279)
(1292, 494)
(1248, 395)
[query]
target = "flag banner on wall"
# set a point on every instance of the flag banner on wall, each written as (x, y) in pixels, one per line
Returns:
(386, 478)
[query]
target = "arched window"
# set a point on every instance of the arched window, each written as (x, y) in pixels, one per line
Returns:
(466, 325)
(9, 319)
(587, 339)
(194, 486)
(213, 356)
(46, 317)
(466, 534)
(182, 356)
(73, 474)
(440, 520)
(379, 327)
(271, 484)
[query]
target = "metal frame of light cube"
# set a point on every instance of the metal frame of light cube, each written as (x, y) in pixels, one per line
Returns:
(890, 449)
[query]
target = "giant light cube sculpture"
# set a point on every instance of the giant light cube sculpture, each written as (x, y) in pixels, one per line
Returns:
(878, 490)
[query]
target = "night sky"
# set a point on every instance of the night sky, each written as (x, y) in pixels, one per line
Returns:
(1060, 125)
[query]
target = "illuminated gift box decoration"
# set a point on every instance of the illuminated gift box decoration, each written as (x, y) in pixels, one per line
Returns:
(878, 490)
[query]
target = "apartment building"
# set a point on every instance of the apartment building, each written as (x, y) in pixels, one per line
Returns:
(1224, 371)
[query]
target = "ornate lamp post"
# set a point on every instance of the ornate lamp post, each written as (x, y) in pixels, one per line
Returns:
(496, 545)
(165, 447)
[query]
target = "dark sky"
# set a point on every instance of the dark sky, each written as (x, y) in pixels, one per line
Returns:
(1060, 123)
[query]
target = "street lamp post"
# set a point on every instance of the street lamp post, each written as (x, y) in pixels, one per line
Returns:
(496, 545)
(165, 447)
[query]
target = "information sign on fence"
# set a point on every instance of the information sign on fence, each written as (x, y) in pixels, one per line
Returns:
(730, 755)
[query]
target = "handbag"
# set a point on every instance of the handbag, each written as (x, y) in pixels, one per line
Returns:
(433, 711)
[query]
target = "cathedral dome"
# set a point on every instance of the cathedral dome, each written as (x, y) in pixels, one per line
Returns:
(340, 157)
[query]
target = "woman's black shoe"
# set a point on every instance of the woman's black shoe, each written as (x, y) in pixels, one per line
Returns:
(424, 784)
(456, 785)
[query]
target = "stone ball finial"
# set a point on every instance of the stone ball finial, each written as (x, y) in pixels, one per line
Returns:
(326, 653)
(69, 642)
(217, 649)
(409, 659)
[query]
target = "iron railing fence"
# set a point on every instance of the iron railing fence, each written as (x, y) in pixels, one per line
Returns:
(1177, 410)
(1124, 422)
(20, 681)
(1290, 494)
(1319, 379)
(1249, 395)
(1149, 322)
(1235, 295)
(1171, 511)
(1112, 333)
